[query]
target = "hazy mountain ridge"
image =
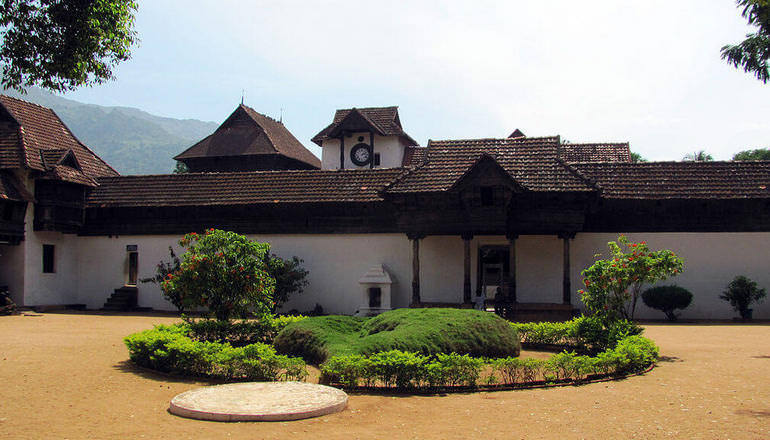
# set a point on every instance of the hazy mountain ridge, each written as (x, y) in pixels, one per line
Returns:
(131, 140)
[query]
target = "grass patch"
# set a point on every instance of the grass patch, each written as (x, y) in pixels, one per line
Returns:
(424, 331)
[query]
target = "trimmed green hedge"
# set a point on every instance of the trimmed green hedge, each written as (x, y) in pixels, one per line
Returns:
(403, 370)
(424, 331)
(170, 349)
(238, 333)
(582, 333)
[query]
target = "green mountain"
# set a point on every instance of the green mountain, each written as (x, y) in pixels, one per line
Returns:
(130, 140)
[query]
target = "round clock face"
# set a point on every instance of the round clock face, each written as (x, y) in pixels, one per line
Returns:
(360, 154)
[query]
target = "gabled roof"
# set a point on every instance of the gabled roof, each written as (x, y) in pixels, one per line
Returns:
(381, 120)
(31, 135)
(531, 162)
(255, 187)
(679, 180)
(601, 152)
(247, 132)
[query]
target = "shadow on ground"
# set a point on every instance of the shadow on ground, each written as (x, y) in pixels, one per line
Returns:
(753, 412)
(129, 367)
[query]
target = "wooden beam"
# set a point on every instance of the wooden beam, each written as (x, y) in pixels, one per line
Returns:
(415, 269)
(342, 151)
(566, 279)
(371, 149)
(467, 268)
(512, 267)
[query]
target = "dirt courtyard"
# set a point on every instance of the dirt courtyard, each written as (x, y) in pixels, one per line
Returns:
(66, 376)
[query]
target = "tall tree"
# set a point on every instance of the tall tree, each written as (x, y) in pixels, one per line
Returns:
(63, 44)
(637, 158)
(752, 53)
(698, 156)
(758, 154)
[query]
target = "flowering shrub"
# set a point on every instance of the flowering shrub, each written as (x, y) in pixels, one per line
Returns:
(224, 272)
(162, 270)
(612, 286)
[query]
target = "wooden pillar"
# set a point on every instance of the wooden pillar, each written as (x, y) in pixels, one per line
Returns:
(371, 149)
(342, 151)
(512, 267)
(415, 269)
(566, 279)
(467, 268)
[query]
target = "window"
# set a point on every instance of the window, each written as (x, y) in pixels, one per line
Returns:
(487, 196)
(48, 258)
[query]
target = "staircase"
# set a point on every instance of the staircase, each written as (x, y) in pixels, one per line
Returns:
(122, 299)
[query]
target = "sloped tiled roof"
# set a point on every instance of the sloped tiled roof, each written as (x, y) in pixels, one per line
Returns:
(12, 189)
(602, 152)
(301, 186)
(532, 162)
(384, 119)
(414, 156)
(40, 131)
(681, 180)
(262, 135)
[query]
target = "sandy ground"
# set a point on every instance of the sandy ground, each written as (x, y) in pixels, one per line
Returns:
(66, 376)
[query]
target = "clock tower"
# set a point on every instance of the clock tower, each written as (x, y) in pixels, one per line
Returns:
(361, 138)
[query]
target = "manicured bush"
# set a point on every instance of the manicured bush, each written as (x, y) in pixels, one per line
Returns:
(424, 331)
(402, 370)
(612, 286)
(741, 293)
(667, 299)
(589, 333)
(239, 333)
(224, 272)
(316, 337)
(169, 349)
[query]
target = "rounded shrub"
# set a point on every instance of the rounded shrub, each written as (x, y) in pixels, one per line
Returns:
(423, 331)
(667, 299)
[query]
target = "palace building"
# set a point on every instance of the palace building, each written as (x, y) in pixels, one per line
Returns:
(379, 221)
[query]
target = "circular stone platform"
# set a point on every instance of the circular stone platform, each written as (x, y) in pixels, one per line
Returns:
(259, 401)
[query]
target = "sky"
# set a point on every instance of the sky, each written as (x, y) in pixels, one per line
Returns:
(645, 72)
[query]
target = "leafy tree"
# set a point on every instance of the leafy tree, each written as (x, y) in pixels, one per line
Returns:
(224, 272)
(752, 53)
(610, 284)
(698, 156)
(758, 154)
(740, 293)
(181, 168)
(63, 44)
(289, 277)
(162, 271)
(637, 158)
(667, 299)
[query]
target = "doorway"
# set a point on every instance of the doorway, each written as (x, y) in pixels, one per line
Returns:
(492, 270)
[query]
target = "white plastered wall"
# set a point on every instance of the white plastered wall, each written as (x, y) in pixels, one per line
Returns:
(60, 287)
(12, 271)
(711, 261)
(335, 263)
(390, 149)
